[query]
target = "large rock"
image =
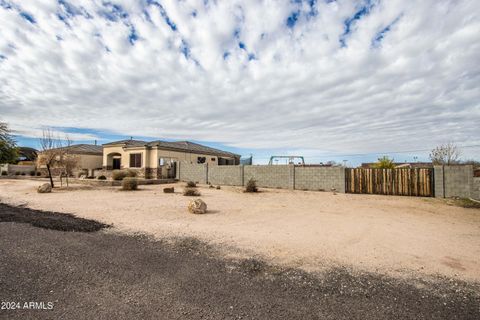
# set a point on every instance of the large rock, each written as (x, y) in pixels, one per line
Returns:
(44, 188)
(197, 206)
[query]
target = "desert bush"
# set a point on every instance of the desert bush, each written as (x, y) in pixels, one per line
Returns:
(39, 174)
(131, 173)
(251, 186)
(191, 184)
(4, 173)
(218, 188)
(90, 177)
(23, 174)
(32, 173)
(191, 192)
(102, 177)
(17, 173)
(118, 174)
(129, 184)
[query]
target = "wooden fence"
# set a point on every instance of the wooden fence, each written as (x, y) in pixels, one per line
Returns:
(403, 182)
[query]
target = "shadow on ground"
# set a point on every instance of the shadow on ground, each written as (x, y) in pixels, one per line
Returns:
(48, 220)
(101, 275)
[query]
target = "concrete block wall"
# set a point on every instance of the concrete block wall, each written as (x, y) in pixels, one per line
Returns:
(476, 188)
(320, 178)
(277, 176)
(226, 175)
(192, 172)
(454, 181)
(12, 169)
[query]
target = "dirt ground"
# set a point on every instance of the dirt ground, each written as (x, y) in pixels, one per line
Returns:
(313, 231)
(46, 273)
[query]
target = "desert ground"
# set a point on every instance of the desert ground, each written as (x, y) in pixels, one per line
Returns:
(313, 231)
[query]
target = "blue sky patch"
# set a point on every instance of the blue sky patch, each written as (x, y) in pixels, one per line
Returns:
(377, 40)
(28, 17)
(113, 12)
(132, 37)
(348, 23)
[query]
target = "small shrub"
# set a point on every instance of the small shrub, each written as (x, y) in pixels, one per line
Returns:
(32, 173)
(218, 188)
(4, 173)
(191, 184)
(102, 177)
(131, 173)
(191, 192)
(129, 184)
(211, 187)
(17, 173)
(39, 174)
(118, 174)
(251, 186)
(90, 177)
(23, 174)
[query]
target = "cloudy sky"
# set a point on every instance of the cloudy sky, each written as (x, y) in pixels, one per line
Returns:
(327, 79)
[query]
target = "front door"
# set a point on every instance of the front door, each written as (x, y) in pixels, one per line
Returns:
(116, 163)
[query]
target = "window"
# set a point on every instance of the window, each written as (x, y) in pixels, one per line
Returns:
(201, 159)
(213, 159)
(135, 160)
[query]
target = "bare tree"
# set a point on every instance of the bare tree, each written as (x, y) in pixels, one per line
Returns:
(446, 154)
(67, 160)
(50, 154)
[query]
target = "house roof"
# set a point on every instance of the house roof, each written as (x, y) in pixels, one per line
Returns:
(90, 149)
(29, 154)
(185, 146)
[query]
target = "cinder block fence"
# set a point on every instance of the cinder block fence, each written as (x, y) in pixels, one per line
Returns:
(277, 176)
(448, 181)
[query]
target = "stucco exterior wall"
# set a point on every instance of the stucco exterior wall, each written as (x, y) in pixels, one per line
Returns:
(151, 157)
(86, 161)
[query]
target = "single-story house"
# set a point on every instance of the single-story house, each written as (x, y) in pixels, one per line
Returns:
(89, 158)
(158, 159)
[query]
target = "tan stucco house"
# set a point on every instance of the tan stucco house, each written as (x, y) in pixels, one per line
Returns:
(89, 157)
(158, 159)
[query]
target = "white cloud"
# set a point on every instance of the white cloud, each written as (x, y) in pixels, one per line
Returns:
(283, 87)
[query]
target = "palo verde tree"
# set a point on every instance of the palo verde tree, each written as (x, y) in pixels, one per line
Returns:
(384, 163)
(8, 149)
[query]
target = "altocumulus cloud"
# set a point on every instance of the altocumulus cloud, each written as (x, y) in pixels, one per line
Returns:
(329, 75)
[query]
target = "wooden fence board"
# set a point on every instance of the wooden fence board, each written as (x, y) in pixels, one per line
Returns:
(405, 181)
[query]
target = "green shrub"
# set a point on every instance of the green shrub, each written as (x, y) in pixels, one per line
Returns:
(118, 174)
(191, 184)
(32, 173)
(129, 184)
(17, 173)
(102, 177)
(251, 186)
(191, 192)
(131, 173)
(4, 173)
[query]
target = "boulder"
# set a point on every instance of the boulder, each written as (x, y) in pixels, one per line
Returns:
(169, 190)
(45, 188)
(197, 206)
